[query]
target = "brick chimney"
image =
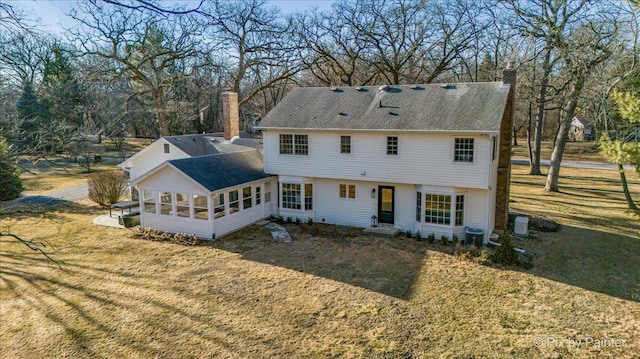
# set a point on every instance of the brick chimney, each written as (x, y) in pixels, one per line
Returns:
(230, 116)
(504, 156)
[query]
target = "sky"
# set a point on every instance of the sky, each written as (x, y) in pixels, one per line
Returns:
(52, 18)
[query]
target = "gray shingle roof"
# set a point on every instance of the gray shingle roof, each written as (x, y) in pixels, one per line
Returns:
(457, 107)
(223, 170)
(193, 145)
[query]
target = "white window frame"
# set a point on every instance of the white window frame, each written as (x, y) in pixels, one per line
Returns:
(348, 187)
(462, 150)
(299, 145)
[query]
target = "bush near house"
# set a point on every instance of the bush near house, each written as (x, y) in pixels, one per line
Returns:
(106, 188)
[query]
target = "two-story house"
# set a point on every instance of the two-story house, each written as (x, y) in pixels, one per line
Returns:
(430, 158)
(417, 157)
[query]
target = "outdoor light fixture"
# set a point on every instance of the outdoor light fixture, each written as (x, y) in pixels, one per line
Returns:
(373, 193)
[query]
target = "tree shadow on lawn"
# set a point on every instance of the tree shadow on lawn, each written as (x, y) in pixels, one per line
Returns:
(590, 259)
(388, 266)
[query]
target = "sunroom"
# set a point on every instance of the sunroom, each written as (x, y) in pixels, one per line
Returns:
(209, 196)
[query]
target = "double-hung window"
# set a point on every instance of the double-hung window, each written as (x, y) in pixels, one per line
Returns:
(294, 144)
(392, 145)
(308, 196)
(463, 150)
(345, 144)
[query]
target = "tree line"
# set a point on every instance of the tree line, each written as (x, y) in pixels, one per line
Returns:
(138, 68)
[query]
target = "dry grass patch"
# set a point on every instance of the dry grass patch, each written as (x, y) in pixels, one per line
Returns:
(574, 151)
(355, 297)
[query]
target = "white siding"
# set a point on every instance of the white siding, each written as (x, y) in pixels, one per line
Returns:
(169, 179)
(151, 157)
(422, 158)
(231, 222)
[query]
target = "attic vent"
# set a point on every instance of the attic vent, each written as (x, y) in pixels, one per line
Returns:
(193, 139)
(393, 113)
(448, 86)
(342, 114)
(416, 87)
(333, 88)
(383, 87)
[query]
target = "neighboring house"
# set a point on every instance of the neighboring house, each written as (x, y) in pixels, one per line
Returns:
(428, 158)
(581, 129)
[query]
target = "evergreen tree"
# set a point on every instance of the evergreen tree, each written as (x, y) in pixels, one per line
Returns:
(10, 182)
(28, 106)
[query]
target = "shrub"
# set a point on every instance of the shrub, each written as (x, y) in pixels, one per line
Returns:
(505, 253)
(408, 234)
(298, 220)
(431, 238)
(10, 182)
(455, 239)
(444, 239)
(310, 221)
(418, 236)
(106, 188)
(289, 220)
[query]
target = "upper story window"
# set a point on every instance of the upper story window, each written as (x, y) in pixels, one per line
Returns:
(345, 144)
(166, 148)
(301, 144)
(294, 144)
(463, 151)
(392, 145)
(494, 147)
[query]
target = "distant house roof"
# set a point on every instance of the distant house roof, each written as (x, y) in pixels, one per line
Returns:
(193, 145)
(223, 170)
(434, 107)
(583, 120)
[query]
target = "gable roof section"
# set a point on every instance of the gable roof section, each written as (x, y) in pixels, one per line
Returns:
(152, 147)
(222, 170)
(434, 107)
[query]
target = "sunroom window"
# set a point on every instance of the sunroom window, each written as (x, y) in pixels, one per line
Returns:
(149, 200)
(166, 204)
(200, 210)
(182, 204)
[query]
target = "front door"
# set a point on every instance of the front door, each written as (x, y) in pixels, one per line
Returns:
(385, 204)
